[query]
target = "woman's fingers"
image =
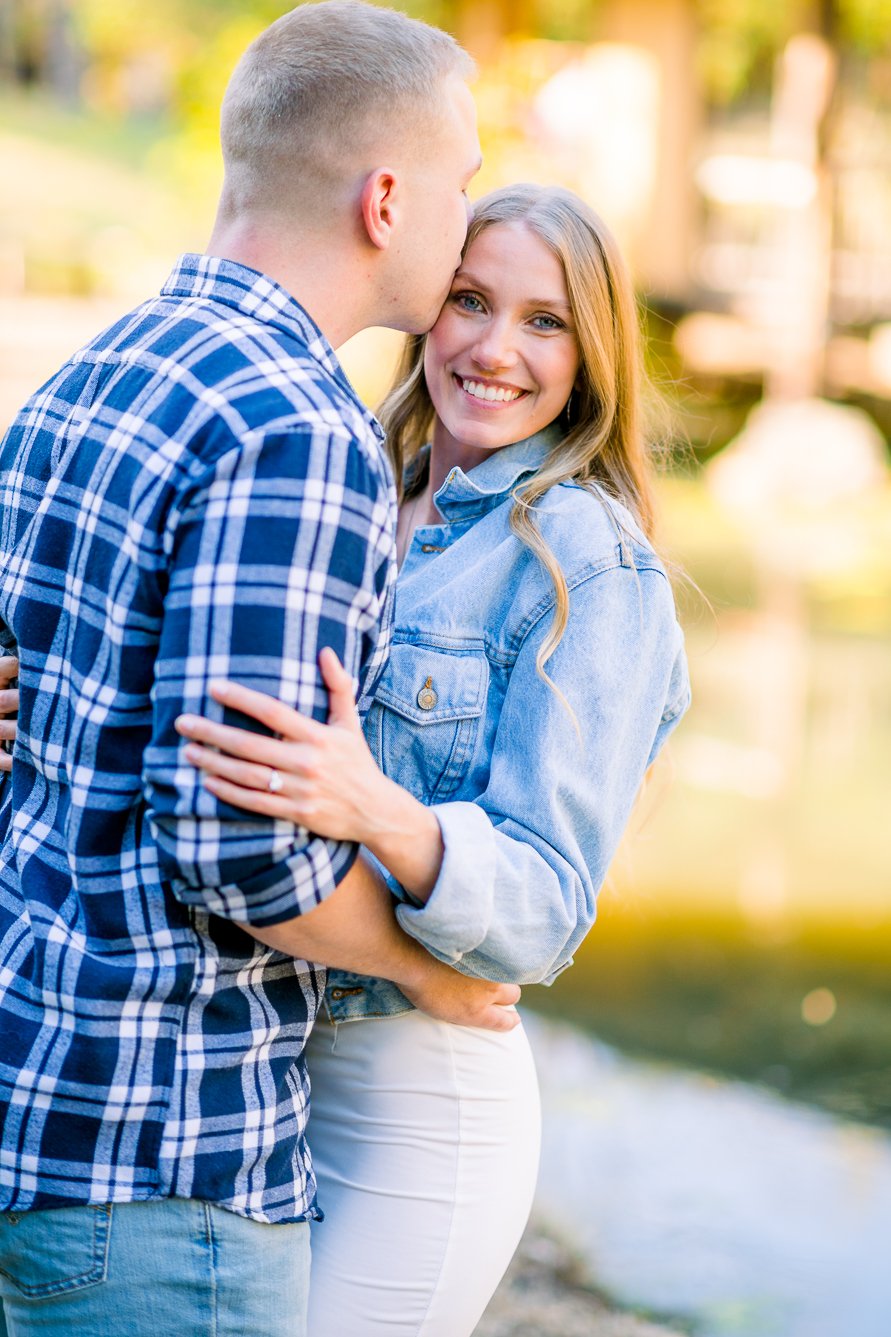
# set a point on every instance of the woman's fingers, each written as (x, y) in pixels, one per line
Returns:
(238, 742)
(341, 693)
(498, 1018)
(252, 800)
(277, 717)
(246, 773)
(9, 670)
(9, 701)
(7, 730)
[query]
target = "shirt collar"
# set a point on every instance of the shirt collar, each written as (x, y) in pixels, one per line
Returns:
(488, 482)
(216, 279)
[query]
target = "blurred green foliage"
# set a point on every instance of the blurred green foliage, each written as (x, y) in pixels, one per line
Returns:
(704, 991)
(740, 39)
(866, 24)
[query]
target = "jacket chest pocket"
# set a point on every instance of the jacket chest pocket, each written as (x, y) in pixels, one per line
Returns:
(426, 717)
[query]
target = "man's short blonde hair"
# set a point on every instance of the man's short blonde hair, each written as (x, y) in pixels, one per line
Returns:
(320, 84)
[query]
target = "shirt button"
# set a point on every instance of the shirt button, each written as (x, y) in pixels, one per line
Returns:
(427, 698)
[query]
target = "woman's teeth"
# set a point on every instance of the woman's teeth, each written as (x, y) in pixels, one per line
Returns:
(479, 390)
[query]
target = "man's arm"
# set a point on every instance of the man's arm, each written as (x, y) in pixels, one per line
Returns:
(278, 546)
(355, 929)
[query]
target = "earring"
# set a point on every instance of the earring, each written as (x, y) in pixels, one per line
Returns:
(568, 409)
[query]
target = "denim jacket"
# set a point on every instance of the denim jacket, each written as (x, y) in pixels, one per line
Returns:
(531, 801)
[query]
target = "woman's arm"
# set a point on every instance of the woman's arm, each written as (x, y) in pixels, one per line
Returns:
(525, 860)
(507, 883)
(324, 775)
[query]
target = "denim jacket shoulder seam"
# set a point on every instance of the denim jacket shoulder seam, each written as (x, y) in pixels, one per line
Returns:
(546, 603)
(579, 578)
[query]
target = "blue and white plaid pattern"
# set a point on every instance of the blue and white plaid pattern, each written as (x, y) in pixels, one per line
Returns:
(197, 494)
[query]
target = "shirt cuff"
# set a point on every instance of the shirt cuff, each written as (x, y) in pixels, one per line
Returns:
(458, 911)
(279, 892)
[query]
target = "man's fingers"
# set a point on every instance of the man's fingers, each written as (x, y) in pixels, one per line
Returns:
(9, 700)
(5, 761)
(7, 729)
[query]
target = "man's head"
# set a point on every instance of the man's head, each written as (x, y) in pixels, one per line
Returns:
(354, 123)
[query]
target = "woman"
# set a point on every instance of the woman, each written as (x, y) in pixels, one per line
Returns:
(537, 668)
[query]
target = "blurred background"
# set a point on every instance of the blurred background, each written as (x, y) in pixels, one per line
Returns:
(741, 149)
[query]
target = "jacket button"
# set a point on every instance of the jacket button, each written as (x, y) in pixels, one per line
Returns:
(427, 698)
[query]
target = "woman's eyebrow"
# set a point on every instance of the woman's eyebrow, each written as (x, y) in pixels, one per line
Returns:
(464, 276)
(550, 302)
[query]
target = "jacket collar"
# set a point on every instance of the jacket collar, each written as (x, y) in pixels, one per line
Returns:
(485, 485)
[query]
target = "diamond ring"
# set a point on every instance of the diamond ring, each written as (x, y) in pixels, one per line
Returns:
(275, 783)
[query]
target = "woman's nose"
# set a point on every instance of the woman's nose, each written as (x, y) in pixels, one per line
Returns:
(495, 347)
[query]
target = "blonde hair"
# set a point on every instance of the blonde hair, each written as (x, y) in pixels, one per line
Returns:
(604, 438)
(318, 83)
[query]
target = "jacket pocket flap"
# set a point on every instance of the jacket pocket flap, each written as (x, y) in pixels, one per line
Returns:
(430, 686)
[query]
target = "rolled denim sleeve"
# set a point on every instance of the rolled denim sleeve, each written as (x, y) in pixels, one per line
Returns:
(523, 862)
(282, 548)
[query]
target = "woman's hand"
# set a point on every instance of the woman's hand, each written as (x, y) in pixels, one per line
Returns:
(9, 707)
(321, 776)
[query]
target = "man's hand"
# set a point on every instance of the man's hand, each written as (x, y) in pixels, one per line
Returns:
(9, 706)
(448, 996)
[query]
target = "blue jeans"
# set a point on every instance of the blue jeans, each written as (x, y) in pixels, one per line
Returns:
(170, 1268)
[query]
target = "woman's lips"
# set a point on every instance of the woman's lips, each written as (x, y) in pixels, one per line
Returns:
(489, 394)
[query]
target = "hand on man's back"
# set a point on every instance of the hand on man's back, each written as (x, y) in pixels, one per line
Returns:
(9, 706)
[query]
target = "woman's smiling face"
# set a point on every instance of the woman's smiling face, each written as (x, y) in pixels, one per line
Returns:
(502, 358)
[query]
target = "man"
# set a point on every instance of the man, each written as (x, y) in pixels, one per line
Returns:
(198, 494)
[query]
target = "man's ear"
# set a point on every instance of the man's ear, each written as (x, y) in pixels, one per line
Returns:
(379, 204)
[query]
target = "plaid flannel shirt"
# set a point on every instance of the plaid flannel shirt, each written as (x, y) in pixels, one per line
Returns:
(197, 494)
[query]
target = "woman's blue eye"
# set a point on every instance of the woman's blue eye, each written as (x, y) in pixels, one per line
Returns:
(548, 322)
(468, 301)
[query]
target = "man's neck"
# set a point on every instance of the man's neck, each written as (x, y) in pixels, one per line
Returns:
(326, 279)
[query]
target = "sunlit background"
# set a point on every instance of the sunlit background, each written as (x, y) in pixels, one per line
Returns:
(741, 149)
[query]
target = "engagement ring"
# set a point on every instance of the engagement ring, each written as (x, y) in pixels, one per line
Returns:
(275, 782)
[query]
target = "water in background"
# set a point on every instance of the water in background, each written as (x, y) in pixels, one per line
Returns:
(741, 1213)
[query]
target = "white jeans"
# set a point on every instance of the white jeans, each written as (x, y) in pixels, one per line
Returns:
(425, 1140)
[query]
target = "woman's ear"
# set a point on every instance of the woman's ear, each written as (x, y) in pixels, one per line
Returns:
(379, 204)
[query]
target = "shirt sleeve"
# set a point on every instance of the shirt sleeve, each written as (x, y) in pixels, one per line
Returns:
(282, 547)
(523, 863)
